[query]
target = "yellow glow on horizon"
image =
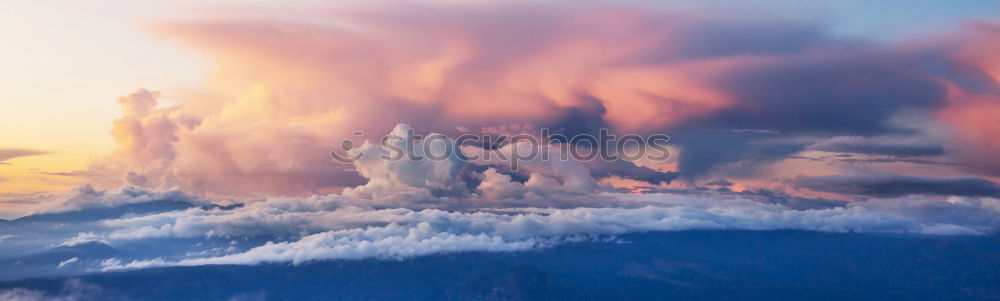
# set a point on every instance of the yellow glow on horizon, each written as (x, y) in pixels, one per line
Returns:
(65, 63)
(38, 173)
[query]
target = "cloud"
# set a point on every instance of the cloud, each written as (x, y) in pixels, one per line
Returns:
(720, 183)
(548, 179)
(880, 184)
(629, 170)
(760, 195)
(11, 153)
(68, 261)
(537, 190)
(20, 294)
(705, 152)
(499, 214)
(72, 173)
(877, 146)
(146, 138)
(181, 147)
(404, 180)
(85, 196)
(735, 94)
(631, 69)
(72, 290)
(731, 90)
(402, 233)
(288, 217)
(834, 104)
(971, 210)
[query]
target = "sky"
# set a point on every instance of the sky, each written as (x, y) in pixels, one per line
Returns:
(208, 126)
(71, 61)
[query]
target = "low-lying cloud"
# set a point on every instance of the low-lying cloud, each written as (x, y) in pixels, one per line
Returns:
(874, 183)
(357, 232)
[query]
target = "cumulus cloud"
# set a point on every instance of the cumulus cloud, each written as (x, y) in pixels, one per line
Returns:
(624, 66)
(146, 137)
(310, 83)
(320, 84)
(180, 146)
(514, 177)
(395, 177)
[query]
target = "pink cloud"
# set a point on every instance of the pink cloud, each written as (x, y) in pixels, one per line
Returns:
(286, 90)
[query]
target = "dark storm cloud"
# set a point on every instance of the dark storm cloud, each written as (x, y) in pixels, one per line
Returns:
(879, 184)
(720, 183)
(704, 150)
(586, 118)
(848, 94)
(836, 91)
(629, 170)
(813, 85)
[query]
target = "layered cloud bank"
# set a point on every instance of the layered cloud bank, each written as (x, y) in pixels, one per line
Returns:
(301, 230)
(413, 208)
(755, 102)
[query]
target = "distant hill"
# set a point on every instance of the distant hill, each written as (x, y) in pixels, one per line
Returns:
(690, 265)
(47, 262)
(20, 258)
(94, 214)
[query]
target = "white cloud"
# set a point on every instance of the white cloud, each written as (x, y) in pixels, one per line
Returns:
(412, 208)
(20, 294)
(86, 196)
(356, 232)
(83, 237)
(405, 181)
(549, 173)
(72, 290)
(68, 261)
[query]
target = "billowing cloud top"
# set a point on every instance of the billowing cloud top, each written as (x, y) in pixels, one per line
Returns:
(737, 95)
